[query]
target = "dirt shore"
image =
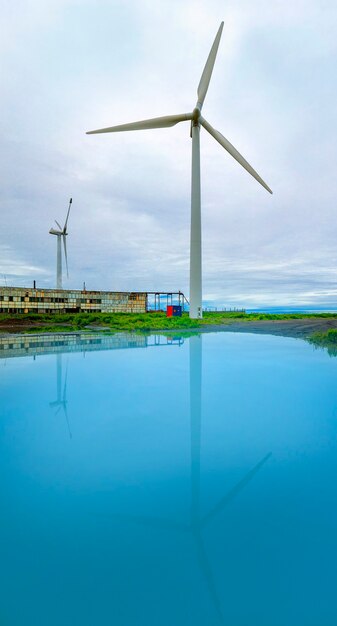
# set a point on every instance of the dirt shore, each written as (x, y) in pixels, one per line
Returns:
(20, 326)
(286, 328)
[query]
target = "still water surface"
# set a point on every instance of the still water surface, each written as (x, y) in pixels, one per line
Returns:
(173, 482)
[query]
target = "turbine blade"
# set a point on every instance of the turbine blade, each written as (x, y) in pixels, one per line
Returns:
(233, 152)
(156, 122)
(206, 569)
(67, 420)
(59, 225)
(234, 491)
(66, 222)
(208, 69)
(65, 252)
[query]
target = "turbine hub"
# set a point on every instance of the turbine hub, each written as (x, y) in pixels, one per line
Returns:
(195, 116)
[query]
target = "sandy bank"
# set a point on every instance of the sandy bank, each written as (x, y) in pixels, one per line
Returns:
(287, 328)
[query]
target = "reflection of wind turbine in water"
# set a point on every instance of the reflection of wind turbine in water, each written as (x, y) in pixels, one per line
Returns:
(61, 401)
(198, 522)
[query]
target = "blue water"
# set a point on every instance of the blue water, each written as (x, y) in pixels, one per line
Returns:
(309, 308)
(187, 482)
(294, 309)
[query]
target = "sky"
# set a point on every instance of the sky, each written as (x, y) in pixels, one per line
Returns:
(69, 66)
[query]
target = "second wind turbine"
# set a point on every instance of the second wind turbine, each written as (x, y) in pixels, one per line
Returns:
(197, 120)
(62, 232)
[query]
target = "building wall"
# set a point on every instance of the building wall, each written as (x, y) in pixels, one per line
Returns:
(22, 300)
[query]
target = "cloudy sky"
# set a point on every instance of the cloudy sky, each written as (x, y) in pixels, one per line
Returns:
(68, 66)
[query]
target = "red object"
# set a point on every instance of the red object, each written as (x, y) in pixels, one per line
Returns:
(173, 311)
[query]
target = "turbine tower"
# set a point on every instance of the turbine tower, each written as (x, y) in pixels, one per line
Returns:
(61, 233)
(196, 120)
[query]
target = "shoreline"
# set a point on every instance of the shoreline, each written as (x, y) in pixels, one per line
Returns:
(296, 328)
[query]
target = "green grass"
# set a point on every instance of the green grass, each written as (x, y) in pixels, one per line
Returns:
(140, 322)
(49, 328)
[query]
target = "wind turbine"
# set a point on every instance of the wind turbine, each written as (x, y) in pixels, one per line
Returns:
(62, 232)
(197, 120)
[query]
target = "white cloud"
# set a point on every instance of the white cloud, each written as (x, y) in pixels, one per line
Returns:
(71, 66)
(14, 266)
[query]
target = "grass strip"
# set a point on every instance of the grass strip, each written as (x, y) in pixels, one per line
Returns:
(36, 322)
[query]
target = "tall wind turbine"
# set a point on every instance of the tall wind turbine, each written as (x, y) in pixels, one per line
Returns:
(61, 233)
(197, 120)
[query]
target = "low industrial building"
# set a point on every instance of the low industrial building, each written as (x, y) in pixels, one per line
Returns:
(22, 300)
(31, 300)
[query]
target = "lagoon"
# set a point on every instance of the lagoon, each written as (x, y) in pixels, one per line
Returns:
(166, 480)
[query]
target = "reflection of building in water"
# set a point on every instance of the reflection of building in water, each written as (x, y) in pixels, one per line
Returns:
(34, 345)
(60, 343)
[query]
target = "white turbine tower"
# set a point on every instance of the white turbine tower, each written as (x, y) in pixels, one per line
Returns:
(197, 120)
(61, 233)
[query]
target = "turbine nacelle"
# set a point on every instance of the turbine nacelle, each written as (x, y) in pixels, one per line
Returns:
(196, 115)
